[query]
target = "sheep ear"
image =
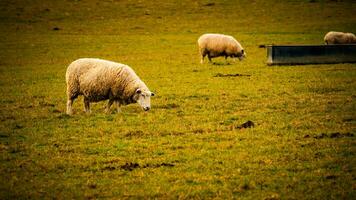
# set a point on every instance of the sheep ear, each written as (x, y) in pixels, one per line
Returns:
(138, 91)
(152, 94)
(242, 51)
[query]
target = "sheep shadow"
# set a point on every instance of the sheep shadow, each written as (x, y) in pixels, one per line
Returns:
(220, 63)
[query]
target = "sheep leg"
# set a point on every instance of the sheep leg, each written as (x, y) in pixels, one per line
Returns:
(118, 106)
(202, 58)
(227, 62)
(202, 54)
(69, 106)
(87, 105)
(71, 97)
(209, 57)
(111, 101)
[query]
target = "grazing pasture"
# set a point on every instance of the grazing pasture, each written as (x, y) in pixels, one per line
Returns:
(227, 129)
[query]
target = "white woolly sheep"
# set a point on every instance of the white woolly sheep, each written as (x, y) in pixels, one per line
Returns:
(99, 80)
(339, 38)
(215, 45)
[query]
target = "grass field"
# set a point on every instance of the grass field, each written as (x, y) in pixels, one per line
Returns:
(190, 144)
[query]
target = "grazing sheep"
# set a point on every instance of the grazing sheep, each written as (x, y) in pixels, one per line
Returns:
(339, 38)
(99, 80)
(215, 45)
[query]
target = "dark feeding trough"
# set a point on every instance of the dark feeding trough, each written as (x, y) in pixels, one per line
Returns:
(310, 54)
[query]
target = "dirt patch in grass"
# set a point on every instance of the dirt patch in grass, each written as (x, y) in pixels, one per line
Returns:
(330, 177)
(248, 124)
(133, 133)
(330, 135)
(158, 165)
(348, 120)
(5, 118)
(209, 4)
(18, 126)
(230, 75)
(129, 166)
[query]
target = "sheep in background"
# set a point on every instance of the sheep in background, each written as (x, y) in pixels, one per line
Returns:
(215, 45)
(99, 80)
(339, 38)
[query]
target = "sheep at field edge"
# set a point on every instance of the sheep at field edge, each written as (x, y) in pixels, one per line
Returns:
(215, 45)
(99, 80)
(333, 37)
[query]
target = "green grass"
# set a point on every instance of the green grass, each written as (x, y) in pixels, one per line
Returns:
(189, 144)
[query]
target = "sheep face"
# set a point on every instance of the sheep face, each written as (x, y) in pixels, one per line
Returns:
(143, 98)
(240, 55)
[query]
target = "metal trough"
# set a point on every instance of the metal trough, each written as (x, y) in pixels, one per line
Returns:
(310, 54)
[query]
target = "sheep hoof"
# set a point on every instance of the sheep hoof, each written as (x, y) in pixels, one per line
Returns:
(69, 112)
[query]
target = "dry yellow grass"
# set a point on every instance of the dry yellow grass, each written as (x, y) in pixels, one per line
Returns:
(189, 145)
